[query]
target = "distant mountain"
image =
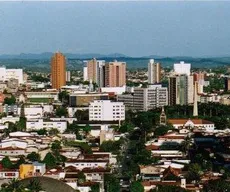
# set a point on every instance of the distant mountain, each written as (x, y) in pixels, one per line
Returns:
(47, 55)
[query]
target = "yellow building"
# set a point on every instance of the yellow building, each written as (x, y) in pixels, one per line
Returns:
(26, 170)
(58, 70)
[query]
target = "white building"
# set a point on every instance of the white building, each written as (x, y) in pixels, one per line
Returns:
(115, 90)
(41, 124)
(182, 68)
(144, 99)
(6, 74)
(154, 72)
(105, 110)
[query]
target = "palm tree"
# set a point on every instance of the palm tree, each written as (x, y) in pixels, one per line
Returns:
(34, 186)
(186, 145)
(14, 186)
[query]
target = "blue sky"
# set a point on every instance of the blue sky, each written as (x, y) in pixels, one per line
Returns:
(131, 28)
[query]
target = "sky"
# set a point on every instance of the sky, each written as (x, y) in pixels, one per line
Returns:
(131, 28)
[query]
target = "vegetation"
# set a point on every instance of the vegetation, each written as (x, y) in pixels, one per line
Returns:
(136, 186)
(61, 111)
(10, 100)
(166, 188)
(33, 157)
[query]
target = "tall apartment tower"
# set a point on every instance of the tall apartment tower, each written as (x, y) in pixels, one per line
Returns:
(58, 70)
(227, 84)
(154, 72)
(115, 74)
(94, 71)
(181, 89)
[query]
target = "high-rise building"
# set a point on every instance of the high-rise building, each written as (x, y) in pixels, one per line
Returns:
(58, 70)
(7, 74)
(94, 70)
(154, 72)
(227, 84)
(115, 74)
(182, 68)
(68, 76)
(181, 89)
(200, 79)
(144, 99)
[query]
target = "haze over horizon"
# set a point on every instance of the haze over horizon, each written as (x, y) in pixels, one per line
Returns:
(131, 28)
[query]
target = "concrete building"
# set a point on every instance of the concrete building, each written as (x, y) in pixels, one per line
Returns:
(68, 76)
(181, 89)
(85, 98)
(106, 110)
(182, 68)
(154, 72)
(94, 70)
(227, 84)
(144, 99)
(41, 124)
(58, 70)
(6, 74)
(115, 74)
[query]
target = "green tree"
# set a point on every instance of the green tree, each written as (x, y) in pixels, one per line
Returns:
(81, 177)
(33, 157)
(63, 97)
(6, 163)
(50, 160)
(194, 172)
(82, 115)
(10, 100)
(21, 125)
(34, 186)
(110, 146)
(217, 186)
(56, 146)
(61, 111)
(87, 129)
(161, 130)
(42, 132)
(95, 188)
(136, 186)
(168, 188)
(111, 183)
(53, 131)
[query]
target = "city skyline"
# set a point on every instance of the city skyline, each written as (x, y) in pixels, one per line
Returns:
(130, 28)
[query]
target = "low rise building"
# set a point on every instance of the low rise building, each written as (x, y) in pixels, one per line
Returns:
(106, 110)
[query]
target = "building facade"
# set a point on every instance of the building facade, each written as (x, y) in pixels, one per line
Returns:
(154, 72)
(106, 110)
(58, 70)
(145, 99)
(115, 74)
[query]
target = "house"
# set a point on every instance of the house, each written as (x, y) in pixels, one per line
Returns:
(192, 123)
(8, 173)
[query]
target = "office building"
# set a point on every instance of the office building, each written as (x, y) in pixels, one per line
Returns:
(144, 99)
(68, 76)
(181, 89)
(58, 70)
(115, 74)
(94, 70)
(7, 74)
(154, 72)
(84, 99)
(106, 110)
(227, 84)
(182, 68)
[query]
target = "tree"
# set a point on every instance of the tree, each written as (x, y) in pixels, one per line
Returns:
(161, 130)
(50, 160)
(95, 188)
(126, 127)
(194, 172)
(53, 131)
(217, 186)
(56, 146)
(34, 186)
(6, 163)
(63, 97)
(110, 146)
(21, 125)
(42, 132)
(168, 188)
(20, 161)
(33, 157)
(10, 100)
(111, 183)
(61, 111)
(136, 186)
(87, 129)
(14, 186)
(82, 115)
(81, 177)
